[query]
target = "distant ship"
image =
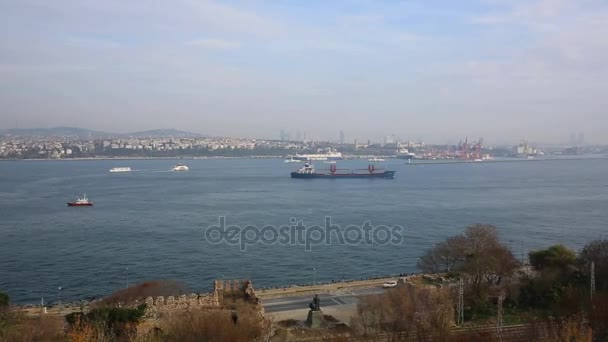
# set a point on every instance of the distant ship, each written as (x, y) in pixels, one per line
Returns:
(81, 202)
(319, 156)
(180, 167)
(308, 171)
(120, 169)
(291, 160)
(375, 159)
(405, 154)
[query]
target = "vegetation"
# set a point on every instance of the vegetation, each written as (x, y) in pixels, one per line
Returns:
(555, 257)
(597, 252)
(554, 292)
(242, 324)
(140, 291)
(4, 300)
(421, 312)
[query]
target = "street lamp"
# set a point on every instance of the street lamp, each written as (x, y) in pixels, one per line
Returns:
(314, 279)
(59, 295)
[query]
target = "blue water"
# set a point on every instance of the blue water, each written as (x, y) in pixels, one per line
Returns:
(150, 225)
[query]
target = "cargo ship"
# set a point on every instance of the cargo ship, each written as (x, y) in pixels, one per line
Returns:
(308, 171)
(81, 202)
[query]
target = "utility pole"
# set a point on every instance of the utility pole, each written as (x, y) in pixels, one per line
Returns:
(501, 298)
(460, 320)
(592, 279)
(523, 254)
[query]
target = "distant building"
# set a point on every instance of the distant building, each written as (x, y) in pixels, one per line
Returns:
(389, 139)
(341, 137)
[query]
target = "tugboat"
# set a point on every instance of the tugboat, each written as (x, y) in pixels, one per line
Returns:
(81, 202)
(308, 171)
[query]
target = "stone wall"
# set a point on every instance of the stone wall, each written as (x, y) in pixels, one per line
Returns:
(162, 305)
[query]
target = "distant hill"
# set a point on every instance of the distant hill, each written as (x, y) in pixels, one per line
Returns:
(74, 132)
(156, 133)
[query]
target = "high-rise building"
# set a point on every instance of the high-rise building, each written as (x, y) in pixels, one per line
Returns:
(572, 139)
(341, 137)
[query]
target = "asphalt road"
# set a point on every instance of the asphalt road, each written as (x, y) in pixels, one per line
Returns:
(341, 297)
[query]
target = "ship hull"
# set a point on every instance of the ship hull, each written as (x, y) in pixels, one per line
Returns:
(80, 204)
(385, 175)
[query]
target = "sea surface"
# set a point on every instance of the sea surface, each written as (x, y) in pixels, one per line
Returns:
(151, 223)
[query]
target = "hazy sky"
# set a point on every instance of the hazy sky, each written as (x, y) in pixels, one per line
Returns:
(436, 70)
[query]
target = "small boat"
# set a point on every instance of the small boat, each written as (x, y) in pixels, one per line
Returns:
(81, 202)
(120, 169)
(375, 159)
(291, 160)
(180, 167)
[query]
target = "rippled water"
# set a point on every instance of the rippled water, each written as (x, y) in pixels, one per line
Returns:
(150, 224)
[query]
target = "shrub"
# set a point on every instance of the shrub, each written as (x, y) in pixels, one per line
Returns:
(4, 299)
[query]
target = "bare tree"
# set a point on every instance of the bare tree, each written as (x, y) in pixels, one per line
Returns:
(402, 312)
(486, 258)
(445, 256)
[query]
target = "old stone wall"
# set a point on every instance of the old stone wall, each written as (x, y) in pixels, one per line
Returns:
(162, 305)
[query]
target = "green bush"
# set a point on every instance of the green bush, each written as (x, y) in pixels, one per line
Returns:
(556, 257)
(4, 300)
(115, 318)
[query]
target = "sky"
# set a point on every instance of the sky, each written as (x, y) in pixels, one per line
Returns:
(431, 70)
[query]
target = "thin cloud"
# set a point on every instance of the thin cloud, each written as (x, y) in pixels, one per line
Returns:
(214, 43)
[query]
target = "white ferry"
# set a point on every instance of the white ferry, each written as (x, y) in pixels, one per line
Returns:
(319, 156)
(120, 169)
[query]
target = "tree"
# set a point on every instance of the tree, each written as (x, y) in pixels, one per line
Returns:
(445, 256)
(486, 258)
(405, 311)
(4, 300)
(596, 251)
(556, 257)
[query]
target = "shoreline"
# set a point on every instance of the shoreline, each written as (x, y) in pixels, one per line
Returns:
(141, 158)
(262, 292)
(413, 163)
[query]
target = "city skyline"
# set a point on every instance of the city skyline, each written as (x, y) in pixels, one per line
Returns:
(502, 70)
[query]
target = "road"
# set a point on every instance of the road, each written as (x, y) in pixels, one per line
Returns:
(338, 297)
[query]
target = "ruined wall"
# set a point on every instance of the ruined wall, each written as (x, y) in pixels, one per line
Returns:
(163, 305)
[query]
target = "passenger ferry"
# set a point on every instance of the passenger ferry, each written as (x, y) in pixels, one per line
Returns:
(120, 169)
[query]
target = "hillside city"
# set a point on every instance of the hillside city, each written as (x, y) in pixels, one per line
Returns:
(14, 146)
